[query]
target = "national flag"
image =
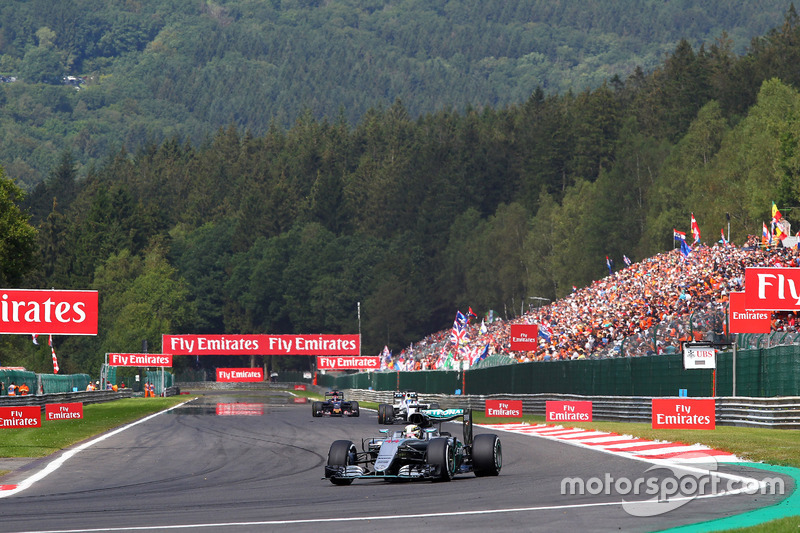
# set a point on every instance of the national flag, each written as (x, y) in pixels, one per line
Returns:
(776, 215)
(448, 361)
(627, 261)
(608, 264)
(723, 240)
(479, 355)
(36, 342)
(490, 316)
(779, 231)
(574, 288)
(470, 313)
(678, 235)
(695, 230)
(386, 358)
(685, 250)
(764, 235)
(484, 330)
(459, 329)
(55, 361)
(545, 332)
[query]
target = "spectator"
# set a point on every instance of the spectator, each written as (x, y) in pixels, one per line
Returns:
(677, 298)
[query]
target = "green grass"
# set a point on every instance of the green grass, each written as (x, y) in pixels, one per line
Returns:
(55, 435)
(783, 525)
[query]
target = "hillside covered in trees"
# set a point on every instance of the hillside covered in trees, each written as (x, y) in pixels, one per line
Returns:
(147, 70)
(414, 217)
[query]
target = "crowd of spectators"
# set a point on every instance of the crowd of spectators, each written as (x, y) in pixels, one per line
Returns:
(647, 308)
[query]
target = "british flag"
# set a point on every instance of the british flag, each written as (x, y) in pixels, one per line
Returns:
(459, 331)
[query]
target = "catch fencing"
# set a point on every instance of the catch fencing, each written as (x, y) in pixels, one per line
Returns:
(776, 413)
(760, 373)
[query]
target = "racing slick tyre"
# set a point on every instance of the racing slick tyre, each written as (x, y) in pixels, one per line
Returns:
(316, 408)
(354, 409)
(440, 455)
(341, 454)
(487, 455)
(385, 413)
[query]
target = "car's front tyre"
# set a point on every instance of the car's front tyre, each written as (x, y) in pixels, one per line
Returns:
(441, 456)
(341, 454)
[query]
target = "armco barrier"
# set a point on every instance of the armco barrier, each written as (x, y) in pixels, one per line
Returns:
(84, 397)
(778, 413)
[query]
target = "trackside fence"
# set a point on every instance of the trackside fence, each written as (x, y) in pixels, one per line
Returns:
(760, 373)
(777, 413)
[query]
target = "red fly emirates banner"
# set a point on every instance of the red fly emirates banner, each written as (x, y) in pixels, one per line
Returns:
(240, 374)
(507, 408)
(524, 337)
(48, 312)
(745, 321)
(140, 359)
(568, 411)
(684, 413)
(63, 411)
(24, 416)
(260, 344)
(348, 363)
(772, 289)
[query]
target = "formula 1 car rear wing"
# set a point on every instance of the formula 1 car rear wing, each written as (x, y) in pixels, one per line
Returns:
(427, 417)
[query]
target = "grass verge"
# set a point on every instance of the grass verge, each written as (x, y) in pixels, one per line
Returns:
(55, 435)
(783, 525)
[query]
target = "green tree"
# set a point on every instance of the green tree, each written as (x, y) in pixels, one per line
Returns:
(17, 236)
(143, 298)
(41, 65)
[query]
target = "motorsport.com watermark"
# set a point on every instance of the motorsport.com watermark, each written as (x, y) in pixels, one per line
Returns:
(681, 485)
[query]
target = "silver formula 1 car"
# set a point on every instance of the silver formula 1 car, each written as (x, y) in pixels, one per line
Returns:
(405, 405)
(420, 451)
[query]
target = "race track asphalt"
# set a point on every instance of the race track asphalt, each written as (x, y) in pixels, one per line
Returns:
(253, 461)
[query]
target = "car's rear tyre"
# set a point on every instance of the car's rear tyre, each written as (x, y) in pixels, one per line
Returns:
(440, 455)
(354, 409)
(487, 455)
(341, 453)
(385, 413)
(316, 409)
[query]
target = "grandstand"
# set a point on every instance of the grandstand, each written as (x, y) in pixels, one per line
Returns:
(648, 308)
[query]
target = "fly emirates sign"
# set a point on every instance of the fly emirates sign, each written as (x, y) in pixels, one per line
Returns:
(260, 344)
(348, 363)
(772, 289)
(48, 312)
(140, 359)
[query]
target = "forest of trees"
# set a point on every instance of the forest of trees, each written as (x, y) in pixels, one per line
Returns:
(412, 217)
(154, 69)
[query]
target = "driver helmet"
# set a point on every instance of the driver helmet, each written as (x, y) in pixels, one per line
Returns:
(413, 431)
